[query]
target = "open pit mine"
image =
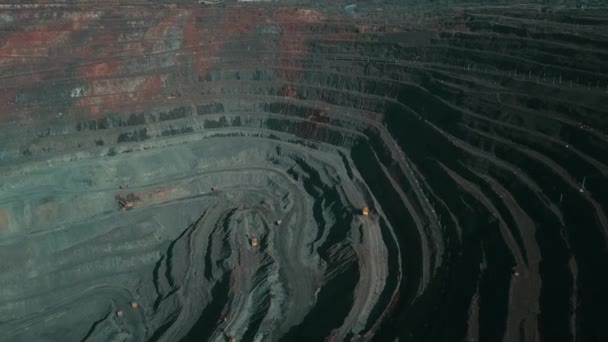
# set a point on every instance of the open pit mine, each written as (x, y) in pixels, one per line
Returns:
(304, 171)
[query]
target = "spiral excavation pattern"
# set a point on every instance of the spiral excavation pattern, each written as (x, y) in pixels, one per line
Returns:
(202, 172)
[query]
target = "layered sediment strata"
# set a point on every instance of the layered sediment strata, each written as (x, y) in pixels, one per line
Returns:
(197, 172)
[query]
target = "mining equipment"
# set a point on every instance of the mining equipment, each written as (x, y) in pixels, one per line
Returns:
(125, 204)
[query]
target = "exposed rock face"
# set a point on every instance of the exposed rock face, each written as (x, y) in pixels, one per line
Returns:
(197, 172)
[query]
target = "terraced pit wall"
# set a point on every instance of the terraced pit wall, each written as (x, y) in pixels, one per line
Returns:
(144, 147)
